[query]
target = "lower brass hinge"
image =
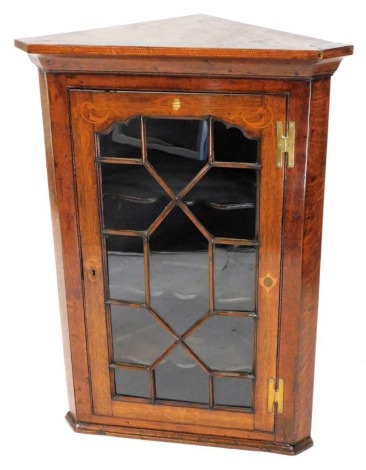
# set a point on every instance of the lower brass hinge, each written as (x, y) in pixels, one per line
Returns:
(275, 395)
(285, 144)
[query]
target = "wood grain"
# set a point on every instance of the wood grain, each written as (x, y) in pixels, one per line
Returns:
(188, 66)
(88, 209)
(194, 35)
(293, 225)
(192, 45)
(250, 77)
(56, 226)
(257, 115)
(190, 438)
(314, 195)
(65, 225)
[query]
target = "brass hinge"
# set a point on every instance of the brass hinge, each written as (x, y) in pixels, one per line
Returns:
(285, 144)
(275, 395)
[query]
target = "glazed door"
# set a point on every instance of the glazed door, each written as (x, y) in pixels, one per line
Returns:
(180, 210)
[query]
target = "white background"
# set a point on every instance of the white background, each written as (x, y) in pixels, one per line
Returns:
(33, 394)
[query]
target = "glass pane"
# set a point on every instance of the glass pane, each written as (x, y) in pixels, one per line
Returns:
(224, 201)
(177, 149)
(123, 140)
(233, 391)
(132, 198)
(179, 271)
(231, 145)
(134, 383)
(225, 343)
(180, 378)
(137, 337)
(235, 277)
(126, 268)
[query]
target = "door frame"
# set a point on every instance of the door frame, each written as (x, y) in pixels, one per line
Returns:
(95, 111)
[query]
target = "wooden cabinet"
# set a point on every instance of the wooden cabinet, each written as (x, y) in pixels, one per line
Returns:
(186, 162)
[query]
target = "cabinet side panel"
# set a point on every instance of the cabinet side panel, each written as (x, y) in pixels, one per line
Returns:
(293, 228)
(65, 232)
(57, 238)
(314, 195)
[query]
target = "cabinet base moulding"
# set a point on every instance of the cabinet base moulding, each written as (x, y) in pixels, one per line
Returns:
(188, 438)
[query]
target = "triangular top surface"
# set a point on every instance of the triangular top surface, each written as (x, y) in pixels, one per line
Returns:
(198, 35)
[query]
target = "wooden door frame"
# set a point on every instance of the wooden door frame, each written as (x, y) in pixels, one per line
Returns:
(95, 111)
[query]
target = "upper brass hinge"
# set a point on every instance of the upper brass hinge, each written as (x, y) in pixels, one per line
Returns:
(285, 144)
(275, 395)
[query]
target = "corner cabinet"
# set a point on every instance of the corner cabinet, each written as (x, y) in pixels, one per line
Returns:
(188, 245)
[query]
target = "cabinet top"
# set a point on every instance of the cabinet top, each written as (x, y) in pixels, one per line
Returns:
(195, 36)
(189, 35)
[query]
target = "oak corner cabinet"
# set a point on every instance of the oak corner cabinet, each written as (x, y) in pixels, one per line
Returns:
(187, 244)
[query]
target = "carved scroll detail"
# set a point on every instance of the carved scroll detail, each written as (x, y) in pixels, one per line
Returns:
(256, 117)
(265, 114)
(93, 114)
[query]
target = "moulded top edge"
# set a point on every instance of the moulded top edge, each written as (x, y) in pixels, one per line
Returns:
(189, 36)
